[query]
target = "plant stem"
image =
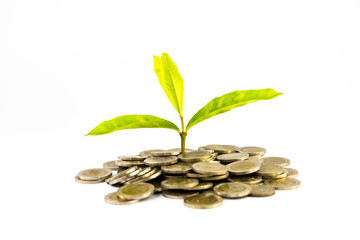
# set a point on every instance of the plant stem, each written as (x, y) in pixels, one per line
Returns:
(182, 134)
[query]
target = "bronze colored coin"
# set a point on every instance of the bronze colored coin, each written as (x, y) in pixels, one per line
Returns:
(282, 162)
(165, 153)
(179, 149)
(283, 183)
(232, 157)
(209, 168)
(248, 179)
(111, 166)
(243, 167)
(131, 163)
(78, 180)
(132, 158)
(113, 198)
(270, 170)
(136, 191)
(201, 186)
(140, 177)
(214, 178)
(203, 201)
(160, 161)
(147, 153)
(180, 183)
(254, 151)
(292, 172)
(125, 178)
(152, 176)
(199, 155)
(205, 149)
(232, 189)
(177, 194)
(197, 175)
(94, 174)
(262, 191)
(259, 159)
(177, 168)
(282, 175)
(222, 148)
(122, 173)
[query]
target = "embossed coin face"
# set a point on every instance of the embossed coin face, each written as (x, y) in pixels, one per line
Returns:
(232, 157)
(262, 191)
(94, 174)
(243, 167)
(165, 153)
(222, 148)
(136, 191)
(177, 168)
(209, 168)
(292, 172)
(177, 194)
(131, 158)
(248, 179)
(160, 161)
(253, 151)
(283, 183)
(199, 155)
(203, 201)
(232, 189)
(282, 162)
(112, 198)
(78, 180)
(180, 183)
(270, 170)
(147, 153)
(111, 166)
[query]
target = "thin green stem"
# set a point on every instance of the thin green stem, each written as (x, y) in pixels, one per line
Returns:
(182, 134)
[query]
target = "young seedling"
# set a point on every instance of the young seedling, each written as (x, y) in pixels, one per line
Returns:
(173, 85)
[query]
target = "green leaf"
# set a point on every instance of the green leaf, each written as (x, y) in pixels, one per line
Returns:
(229, 101)
(130, 122)
(170, 80)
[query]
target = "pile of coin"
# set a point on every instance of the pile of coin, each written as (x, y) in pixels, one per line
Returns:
(202, 178)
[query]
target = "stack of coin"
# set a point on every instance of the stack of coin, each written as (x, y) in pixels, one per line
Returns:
(200, 177)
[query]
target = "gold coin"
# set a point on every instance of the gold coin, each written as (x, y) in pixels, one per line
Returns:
(262, 191)
(243, 167)
(254, 151)
(282, 175)
(232, 157)
(214, 178)
(283, 183)
(132, 163)
(78, 180)
(292, 172)
(201, 186)
(152, 176)
(199, 155)
(282, 162)
(111, 166)
(160, 161)
(131, 158)
(113, 198)
(147, 153)
(197, 175)
(177, 168)
(248, 179)
(180, 183)
(179, 149)
(222, 148)
(124, 178)
(270, 170)
(141, 176)
(122, 173)
(256, 158)
(209, 168)
(94, 174)
(165, 153)
(136, 191)
(167, 176)
(157, 184)
(232, 189)
(204, 148)
(203, 201)
(177, 194)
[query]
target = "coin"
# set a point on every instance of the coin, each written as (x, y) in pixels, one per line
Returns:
(160, 161)
(199, 155)
(131, 163)
(177, 194)
(283, 183)
(152, 176)
(179, 149)
(136, 191)
(209, 168)
(203, 201)
(253, 151)
(248, 179)
(113, 198)
(259, 159)
(270, 170)
(292, 172)
(111, 166)
(157, 184)
(243, 167)
(222, 148)
(94, 174)
(124, 178)
(262, 191)
(122, 173)
(167, 176)
(282, 162)
(214, 178)
(201, 186)
(141, 176)
(204, 148)
(147, 153)
(131, 158)
(232, 157)
(78, 180)
(180, 183)
(197, 175)
(281, 175)
(177, 168)
(165, 153)
(232, 189)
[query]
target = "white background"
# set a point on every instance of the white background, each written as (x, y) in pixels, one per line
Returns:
(65, 66)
